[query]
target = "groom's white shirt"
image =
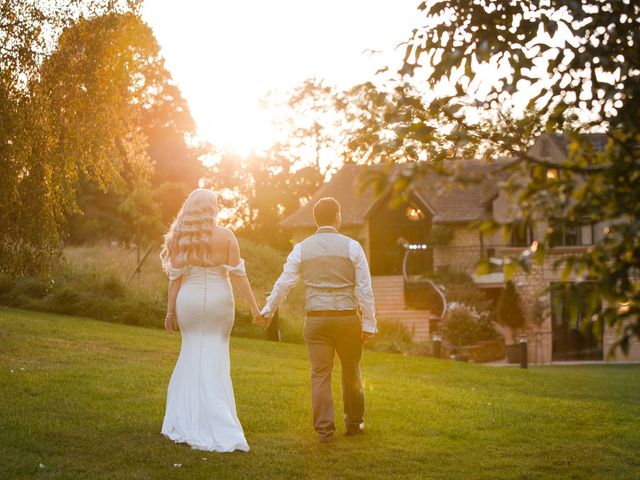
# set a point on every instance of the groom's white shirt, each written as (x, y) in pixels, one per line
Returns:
(363, 293)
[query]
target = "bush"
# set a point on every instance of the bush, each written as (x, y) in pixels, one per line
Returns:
(460, 327)
(509, 311)
(392, 337)
(35, 287)
(464, 325)
(92, 281)
(6, 284)
(113, 287)
(460, 289)
(447, 276)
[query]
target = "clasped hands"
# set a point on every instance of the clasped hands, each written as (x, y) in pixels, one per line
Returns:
(260, 319)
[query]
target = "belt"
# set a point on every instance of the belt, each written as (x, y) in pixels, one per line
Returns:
(331, 313)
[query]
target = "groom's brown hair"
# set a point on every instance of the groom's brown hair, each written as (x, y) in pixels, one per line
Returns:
(325, 211)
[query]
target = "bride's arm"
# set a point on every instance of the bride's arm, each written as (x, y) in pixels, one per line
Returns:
(241, 282)
(170, 320)
(175, 280)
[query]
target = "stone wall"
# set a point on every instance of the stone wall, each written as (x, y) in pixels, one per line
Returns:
(610, 338)
(537, 305)
(462, 253)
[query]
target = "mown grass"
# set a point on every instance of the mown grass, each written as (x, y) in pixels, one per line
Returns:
(85, 399)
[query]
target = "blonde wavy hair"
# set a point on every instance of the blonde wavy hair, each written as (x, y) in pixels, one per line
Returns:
(188, 241)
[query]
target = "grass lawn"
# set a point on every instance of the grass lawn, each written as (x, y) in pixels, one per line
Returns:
(84, 399)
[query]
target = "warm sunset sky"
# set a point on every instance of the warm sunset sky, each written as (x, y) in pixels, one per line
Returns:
(226, 54)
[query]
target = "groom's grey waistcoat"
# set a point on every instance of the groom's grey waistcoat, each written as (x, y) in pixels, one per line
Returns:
(327, 271)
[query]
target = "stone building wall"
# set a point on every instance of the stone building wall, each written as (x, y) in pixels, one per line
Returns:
(537, 305)
(462, 253)
(610, 338)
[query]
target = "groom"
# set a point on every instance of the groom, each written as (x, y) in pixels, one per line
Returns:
(338, 293)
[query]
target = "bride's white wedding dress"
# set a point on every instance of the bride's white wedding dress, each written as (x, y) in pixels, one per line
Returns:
(201, 408)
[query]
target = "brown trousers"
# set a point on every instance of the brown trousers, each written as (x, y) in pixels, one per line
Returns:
(326, 336)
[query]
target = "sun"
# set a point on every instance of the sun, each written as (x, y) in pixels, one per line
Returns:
(245, 128)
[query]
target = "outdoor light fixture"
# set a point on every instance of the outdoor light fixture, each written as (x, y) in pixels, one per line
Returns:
(623, 307)
(414, 214)
(410, 248)
(524, 361)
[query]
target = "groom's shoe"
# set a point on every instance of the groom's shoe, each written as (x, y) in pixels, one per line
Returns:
(354, 428)
(326, 437)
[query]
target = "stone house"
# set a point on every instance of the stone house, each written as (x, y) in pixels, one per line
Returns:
(441, 214)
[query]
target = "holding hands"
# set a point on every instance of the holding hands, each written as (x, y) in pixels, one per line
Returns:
(260, 319)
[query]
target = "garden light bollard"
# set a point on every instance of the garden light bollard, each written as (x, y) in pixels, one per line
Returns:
(523, 352)
(436, 346)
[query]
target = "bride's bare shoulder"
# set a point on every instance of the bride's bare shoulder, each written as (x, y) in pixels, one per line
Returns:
(224, 230)
(225, 233)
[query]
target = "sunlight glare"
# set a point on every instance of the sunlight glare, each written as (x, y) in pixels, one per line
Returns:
(226, 56)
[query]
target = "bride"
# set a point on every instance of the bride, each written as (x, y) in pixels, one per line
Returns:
(203, 260)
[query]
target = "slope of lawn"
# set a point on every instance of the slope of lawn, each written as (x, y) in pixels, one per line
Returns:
(85, 399)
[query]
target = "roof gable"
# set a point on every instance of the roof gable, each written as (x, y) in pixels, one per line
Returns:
(447, 201)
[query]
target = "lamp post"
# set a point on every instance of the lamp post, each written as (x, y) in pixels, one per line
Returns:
(523, 351)
(436, 346)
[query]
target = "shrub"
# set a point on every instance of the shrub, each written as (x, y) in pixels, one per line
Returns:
(460, 327)
(464, 325)
(113, 287)
(92, 281)
(35, 287)
(459, 288)
(6, 284)
(392, 337)
(509, 311)
(448, 276)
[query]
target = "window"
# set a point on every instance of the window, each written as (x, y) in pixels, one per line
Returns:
(568, 234)
(521, 234)
(552, 174)
(414, 214)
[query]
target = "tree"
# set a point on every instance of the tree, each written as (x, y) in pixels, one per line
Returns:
(150, 109)
(509, 312)
(313, 125)
(38, 171)
(256, 192)
(578, 66)
(95, 87)
(167, 124)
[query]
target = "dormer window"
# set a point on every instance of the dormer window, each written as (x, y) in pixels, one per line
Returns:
(414, 214)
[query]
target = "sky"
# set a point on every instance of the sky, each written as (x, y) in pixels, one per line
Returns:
(227, 54)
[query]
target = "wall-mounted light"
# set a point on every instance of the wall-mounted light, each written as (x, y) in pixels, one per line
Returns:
(414, 214)
(623, 307)
(415, 246)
